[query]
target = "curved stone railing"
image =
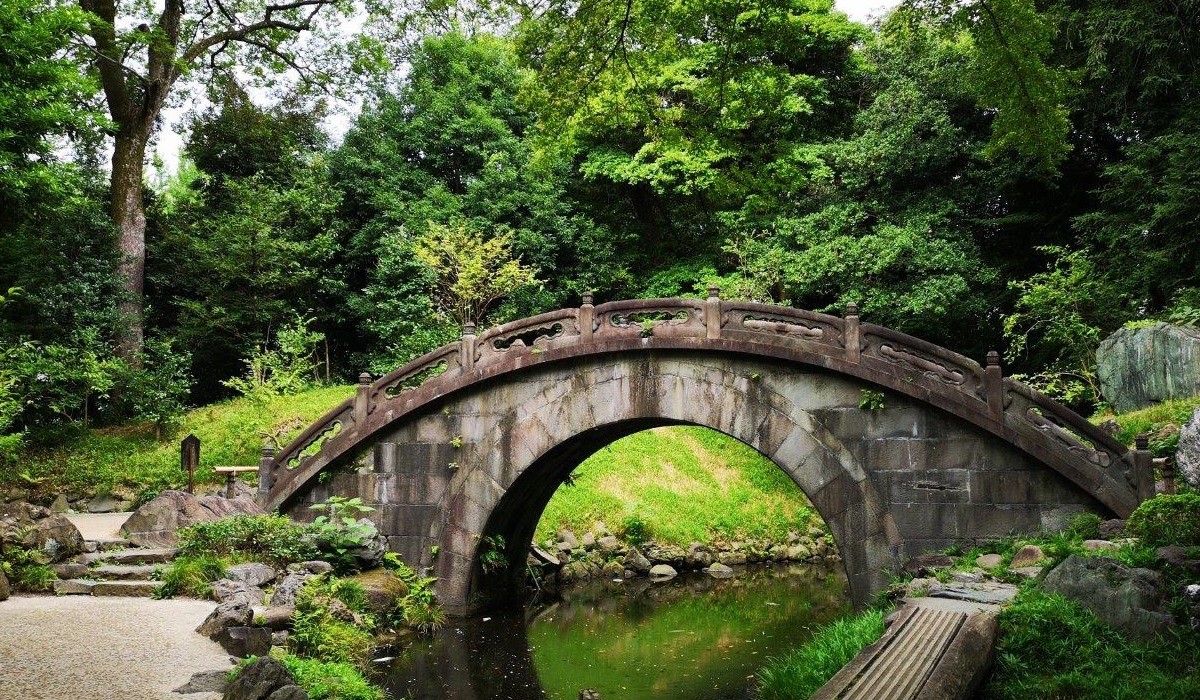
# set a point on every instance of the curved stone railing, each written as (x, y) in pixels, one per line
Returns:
(1034, 423)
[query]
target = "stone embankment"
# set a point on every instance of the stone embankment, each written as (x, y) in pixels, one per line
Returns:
(601, 554)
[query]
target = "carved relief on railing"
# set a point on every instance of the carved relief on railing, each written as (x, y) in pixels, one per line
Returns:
(313, 440)
(414, 374)
(916, 358)
(650, 317)
(1067, 428)
(794, 324)
(535, 334)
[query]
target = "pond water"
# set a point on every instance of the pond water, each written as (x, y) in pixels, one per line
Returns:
(693, 638)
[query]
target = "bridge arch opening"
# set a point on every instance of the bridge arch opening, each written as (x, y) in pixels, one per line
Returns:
(526, 507)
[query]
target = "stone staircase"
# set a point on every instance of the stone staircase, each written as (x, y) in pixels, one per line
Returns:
(112, 567)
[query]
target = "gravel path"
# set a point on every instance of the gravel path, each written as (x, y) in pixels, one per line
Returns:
(94, 526)
(85, 648)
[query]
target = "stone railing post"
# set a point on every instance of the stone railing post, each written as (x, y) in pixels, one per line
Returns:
(265, 479)
(853, 334)
(586, 318)
(362, 399)
(993, 385)
(466, 349)
(712, 313)
(1143, 461)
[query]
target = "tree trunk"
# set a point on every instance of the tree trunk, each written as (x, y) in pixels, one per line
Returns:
(129, 214)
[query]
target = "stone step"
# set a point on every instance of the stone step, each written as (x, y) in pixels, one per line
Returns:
(136, 555)
(123, 572)
(129, 589)
(104, 544)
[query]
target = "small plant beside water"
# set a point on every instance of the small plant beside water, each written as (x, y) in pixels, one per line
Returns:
(331, 621)
(321, 680)
(419, 609)
(491, 554)
(803, 671)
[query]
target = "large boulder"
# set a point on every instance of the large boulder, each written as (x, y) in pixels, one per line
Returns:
(262, 679)
(55, 536)
(1138, 367)
(1124, 598)
(155, 523)
(231, 614)
(383, 590)
(1187, 458)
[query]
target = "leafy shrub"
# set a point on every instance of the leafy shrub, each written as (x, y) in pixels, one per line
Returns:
(1168, 519)
(286, 369)
(338, 533)
(799, 673)
(28, 570)
(272, 539)
(1085, 526)
(634, 530)
(156, 391)
(190, 575)
(491, 554)
(321, 629)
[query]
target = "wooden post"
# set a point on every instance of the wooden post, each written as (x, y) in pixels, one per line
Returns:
(362, 400)
(1143, 461)
(189, 459)
(586, 318)
(265, 479)
(466, 357)
(712, 312)
(853, 334)
(993, 380)
(1168, 472)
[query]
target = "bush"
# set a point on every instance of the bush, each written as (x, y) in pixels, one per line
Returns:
(1167, 520)
(271, 539)
(803, 671)
(27, 570)
(419, 609)
(337, 533)
(1085, 526)
(634, 530)
(190, 575)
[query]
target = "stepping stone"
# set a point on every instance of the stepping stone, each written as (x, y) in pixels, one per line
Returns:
(73, 586)
(131, 589)
(124, 572)
(982, 593)
(104, 544)
(131, 556)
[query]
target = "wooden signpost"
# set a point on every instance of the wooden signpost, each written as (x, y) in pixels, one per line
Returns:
(189, 459)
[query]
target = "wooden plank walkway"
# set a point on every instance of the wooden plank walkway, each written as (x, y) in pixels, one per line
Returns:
(935, 649)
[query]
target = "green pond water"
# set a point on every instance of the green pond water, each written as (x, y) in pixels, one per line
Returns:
(694, 638)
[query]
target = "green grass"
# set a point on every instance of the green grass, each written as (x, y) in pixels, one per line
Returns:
(230, 432)
(1051, 647)
(1152, 419)
(800, 673)
(680, 484)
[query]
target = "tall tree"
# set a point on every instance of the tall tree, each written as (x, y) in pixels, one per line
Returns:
(141, 53)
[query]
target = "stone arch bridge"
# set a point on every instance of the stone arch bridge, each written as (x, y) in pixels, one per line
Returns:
(473, 439)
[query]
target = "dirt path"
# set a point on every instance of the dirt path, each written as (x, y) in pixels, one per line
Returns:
(85, 648)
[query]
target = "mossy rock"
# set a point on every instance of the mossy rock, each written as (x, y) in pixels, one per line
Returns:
(383, 589)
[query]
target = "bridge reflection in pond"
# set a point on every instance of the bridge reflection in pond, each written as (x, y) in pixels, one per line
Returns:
(696, 638)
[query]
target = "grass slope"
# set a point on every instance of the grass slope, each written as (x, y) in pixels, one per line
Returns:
(230, 432)
(679, 485)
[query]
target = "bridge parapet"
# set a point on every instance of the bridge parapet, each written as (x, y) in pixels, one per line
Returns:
(1038, 425)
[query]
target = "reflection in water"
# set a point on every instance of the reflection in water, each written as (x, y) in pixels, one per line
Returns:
(695, 637)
